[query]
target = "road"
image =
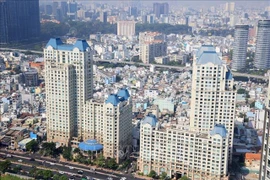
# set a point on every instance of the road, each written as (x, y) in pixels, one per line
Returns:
(142, 64)
(64, 167)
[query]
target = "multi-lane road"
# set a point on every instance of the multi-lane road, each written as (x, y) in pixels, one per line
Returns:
(142, 64)
(69, 169)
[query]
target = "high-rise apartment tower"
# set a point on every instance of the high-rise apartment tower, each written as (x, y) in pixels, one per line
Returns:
(240, 47)
(262, 53)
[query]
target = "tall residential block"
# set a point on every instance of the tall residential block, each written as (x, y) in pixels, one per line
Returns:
(126, 28)
(160, 8)
(230, 6)
(213, 97)
(262, 53)
(152, 44)
(73, 115)
(103, 17)
(265, 156)
(240, 47)
(72, 8)
(204, 149)
(19, 20)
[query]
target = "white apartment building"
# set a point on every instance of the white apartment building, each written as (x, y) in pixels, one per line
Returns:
(179, 152)
(126, 28)
(72, 114)
(152, 44)
(204, 151)
(213, 95)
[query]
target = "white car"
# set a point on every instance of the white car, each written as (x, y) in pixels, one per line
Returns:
(123, 178)
(52, 163)
(61, 172)
(70, 167)
(19, 160)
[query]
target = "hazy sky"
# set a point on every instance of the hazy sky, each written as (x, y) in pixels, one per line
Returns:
(191, 3)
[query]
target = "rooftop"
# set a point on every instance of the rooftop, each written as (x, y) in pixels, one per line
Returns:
(219, 129)
(57, 43)
(90, 145)
(209, 57)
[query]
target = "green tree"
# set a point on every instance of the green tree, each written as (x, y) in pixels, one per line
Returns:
(49, 149)
(163, 175)
(67, 153)
(241, 91)
(111, 163)
(56, 177)
(47, 174)
(32, 146)
(184, 178)
(100, 161)
(76, 150)
(63, 177)
(152, 174)
(4, 166)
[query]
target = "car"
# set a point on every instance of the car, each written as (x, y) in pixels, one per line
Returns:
(9, 155)
(70, 167)
(71, 178)
(32, 159)
(123, 178)
(51, 163)
(20, 160)
(61, 172)
(80, 172)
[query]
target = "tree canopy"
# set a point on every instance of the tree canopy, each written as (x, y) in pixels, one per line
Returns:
(4, 166)
(32, 146)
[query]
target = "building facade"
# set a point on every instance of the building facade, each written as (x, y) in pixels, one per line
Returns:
(160, 8)
(126, 28)
(213, 97)
(19, 20)
(240, 47)
(72, 113)
(204, 150)
(103, 17)
(262, 53)
(152, 44)
(265, 156)
(180, 152)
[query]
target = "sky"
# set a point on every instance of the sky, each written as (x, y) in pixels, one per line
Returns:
(190, 3)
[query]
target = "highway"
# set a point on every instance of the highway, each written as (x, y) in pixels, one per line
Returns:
(62, 167)
(142, 64)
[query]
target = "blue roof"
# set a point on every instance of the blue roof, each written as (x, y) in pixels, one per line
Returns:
(229, 75)
(204, 48)
(123, 93)
(150, 119)
(209, 57)
(90, 145)
(57, 43)
(113, 99)
(219, 129)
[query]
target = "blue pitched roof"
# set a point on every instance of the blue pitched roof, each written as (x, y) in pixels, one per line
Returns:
(90, 145)
(56, 43)
(204, 48)
(209, 56)
(123, 93)
(150, 119)
(229, 75)
(219, 129)
(113, 99)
